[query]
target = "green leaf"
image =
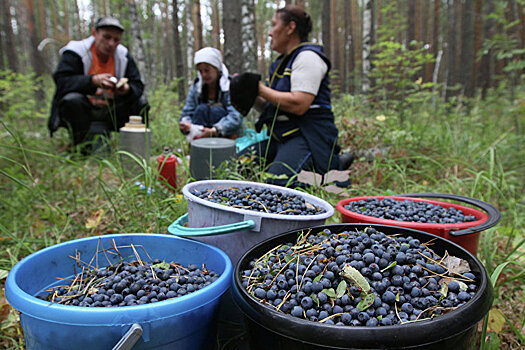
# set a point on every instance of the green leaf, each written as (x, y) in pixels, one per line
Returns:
(444, 290)
(366, 302)
(462, 286)
(397, 296)
(3, 274)
(389, 266)
(497, 272)
(341, 289)
(288, 258)
(315, 298)
(317, 278)
(355, 278)
(329, 292)
(163, 265)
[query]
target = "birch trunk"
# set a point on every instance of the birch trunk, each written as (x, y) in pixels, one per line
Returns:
(10, 50)
(138, 44)
(248, 37)
(215, 25)
(179, 60)
(231, 22)
(367, 43)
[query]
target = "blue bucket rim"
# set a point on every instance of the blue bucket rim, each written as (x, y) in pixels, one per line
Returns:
(38, 308)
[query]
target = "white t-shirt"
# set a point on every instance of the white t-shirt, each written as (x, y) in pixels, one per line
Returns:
(308, 70)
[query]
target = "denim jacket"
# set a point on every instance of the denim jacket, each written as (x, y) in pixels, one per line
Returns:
(228, 125)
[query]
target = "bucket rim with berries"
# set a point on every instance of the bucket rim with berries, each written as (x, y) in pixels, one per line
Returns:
(466, 234)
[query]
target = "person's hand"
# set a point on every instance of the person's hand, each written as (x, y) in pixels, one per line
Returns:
(207, 132)
(184, 127)
(104, 81)
(123, 90)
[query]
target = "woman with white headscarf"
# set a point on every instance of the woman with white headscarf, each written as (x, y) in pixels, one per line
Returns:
(208, 111)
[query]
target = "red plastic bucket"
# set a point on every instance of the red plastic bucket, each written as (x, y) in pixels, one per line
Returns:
(466, 234)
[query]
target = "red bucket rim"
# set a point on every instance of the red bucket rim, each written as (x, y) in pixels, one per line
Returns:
(481, 216)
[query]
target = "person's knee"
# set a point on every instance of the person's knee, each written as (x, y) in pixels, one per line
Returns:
(72, 99)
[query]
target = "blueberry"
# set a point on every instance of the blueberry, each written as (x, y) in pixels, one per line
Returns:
(307, 303)
(260, 293)
(453, 286)
(297, 311)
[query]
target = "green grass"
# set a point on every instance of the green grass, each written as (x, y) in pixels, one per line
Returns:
(472, 149)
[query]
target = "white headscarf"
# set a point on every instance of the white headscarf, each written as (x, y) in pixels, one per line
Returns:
(212, 57)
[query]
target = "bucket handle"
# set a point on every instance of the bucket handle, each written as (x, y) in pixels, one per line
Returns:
(129, 339)
(494, 213)
(178, 228)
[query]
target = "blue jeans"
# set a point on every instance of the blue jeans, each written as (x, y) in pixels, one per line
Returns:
(207, 115)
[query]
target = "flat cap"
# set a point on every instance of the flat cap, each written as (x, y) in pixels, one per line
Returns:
(108, 22)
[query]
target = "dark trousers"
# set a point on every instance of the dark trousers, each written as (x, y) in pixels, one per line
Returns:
(283, 158)
(85, 121)
(207, 115)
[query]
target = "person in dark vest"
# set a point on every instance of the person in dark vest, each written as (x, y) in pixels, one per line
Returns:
(98, 86)
(295, 101)
(208, 111)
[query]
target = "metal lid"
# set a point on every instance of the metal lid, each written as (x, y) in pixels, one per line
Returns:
(213, 143)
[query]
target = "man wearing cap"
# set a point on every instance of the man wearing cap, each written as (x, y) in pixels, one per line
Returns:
(208, 111)
(98, 85)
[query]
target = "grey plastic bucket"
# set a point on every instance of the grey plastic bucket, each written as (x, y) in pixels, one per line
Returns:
(234, 230)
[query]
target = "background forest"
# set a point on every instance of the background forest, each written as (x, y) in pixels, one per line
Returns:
(436, 85)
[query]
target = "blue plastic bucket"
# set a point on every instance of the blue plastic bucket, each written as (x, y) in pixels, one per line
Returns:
(186, 322)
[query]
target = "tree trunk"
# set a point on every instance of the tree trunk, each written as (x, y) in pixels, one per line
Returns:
(368, 37)
(249, 37)
(179, 60)
(138, 44)
(478, 37)
(78, 21)
(67, 35)
(417, 22)
(215, 25)
(231, 22)
(2, 48)
(411, 25)
(467, 49)
(197, 25)
(326, 28)
(34, 54)
(435, 32)
(451, 49)
(10, 49)
(167, 54)
(348, 61)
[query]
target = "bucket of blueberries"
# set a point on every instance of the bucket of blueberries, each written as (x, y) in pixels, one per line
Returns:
(455, 222)
(121, 291)
(361, 286)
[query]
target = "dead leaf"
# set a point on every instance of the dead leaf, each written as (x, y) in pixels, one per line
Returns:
(94, 220)
(496, 320)
(337, 175)
(335, 189)
(309, 178)
(457, 265)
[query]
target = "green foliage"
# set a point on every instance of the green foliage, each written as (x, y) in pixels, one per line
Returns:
(396, 67)
(17, 95)
(506, 44)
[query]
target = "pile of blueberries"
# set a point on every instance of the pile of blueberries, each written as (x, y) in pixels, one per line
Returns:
(404, 281)
(260, 199)
(130, 284)
(408, 210)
